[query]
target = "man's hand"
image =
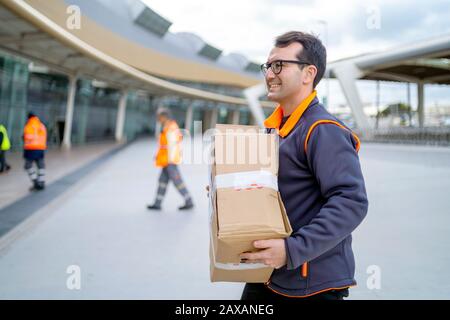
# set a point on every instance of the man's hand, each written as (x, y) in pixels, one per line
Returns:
(273, 255)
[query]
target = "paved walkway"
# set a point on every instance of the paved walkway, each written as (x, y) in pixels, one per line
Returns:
(59, 162)
(101, 224)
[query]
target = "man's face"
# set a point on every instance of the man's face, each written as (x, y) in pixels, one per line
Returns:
(289, 81)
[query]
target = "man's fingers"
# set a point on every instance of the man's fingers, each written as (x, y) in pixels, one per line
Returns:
(253, 261)
(261, 244)
(254, 255)
(250, 256)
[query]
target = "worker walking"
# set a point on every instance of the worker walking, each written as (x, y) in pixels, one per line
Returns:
(35, 144)
(167, 158)
(5, 145)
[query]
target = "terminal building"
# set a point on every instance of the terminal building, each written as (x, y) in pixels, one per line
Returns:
(97, 70)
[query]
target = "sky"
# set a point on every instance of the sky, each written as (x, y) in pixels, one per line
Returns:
(346, 27)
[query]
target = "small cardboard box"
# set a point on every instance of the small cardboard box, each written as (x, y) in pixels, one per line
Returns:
(245, 204)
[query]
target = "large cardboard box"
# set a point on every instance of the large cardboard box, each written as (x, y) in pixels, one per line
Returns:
(245, 204)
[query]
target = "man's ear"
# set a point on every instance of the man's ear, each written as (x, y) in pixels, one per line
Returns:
(310, 74)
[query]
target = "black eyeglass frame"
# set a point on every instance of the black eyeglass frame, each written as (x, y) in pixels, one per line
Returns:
(265, 66)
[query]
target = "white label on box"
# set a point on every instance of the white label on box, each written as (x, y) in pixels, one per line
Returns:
(247, 180)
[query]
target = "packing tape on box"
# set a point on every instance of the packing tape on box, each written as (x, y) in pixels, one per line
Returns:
(240, 266)
(236, 266)
(247, 180)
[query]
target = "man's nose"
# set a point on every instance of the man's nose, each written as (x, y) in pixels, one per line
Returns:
(269, 74)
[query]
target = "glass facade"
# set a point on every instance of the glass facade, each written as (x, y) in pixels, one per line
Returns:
(140, 115)
(47, 98)
(95, 107)
(14, 78)
(244, 118)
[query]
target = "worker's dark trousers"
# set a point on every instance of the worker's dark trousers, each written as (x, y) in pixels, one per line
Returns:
(3, 164)
(259, 291)
(171, 173)
(39, 176)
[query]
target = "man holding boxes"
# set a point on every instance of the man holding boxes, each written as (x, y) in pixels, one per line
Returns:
(319, 180)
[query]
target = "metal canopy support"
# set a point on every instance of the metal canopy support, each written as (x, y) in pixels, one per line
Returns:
(347, 74)
(214, 115)
(236, 116)
(420, 103)
(189, 118)
(69, 112)
(121, 114)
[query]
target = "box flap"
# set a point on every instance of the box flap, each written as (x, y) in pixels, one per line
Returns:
(250, 212)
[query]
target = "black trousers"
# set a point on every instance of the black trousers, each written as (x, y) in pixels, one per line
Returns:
(2, 161)
(258, 291)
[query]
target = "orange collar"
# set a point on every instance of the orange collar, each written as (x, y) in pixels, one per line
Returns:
(274, 120)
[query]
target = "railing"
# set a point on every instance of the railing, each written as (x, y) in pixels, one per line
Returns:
(438, 136)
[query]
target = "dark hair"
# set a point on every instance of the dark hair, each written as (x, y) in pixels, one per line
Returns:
(313, 50)
(31, 114)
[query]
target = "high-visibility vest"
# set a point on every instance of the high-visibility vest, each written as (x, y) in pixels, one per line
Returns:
(169, 151)
(6, 144)
(35, 135)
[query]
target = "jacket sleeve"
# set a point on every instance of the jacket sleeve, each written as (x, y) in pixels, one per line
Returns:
(334, 162)
(1, 138)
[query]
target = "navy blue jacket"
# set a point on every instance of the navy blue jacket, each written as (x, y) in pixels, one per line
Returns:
(323, 190)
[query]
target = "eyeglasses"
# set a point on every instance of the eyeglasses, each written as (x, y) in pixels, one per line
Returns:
(277, 65)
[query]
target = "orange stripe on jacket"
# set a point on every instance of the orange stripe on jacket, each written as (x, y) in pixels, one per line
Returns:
(308, 295)
(315, 124)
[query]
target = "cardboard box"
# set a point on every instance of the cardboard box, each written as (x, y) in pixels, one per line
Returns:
(245, 204)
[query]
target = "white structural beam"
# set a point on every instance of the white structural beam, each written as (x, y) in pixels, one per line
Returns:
(394, 77)
(347, 73)
(420, 104)
(252, 95)
(69, 112)
(121, 114)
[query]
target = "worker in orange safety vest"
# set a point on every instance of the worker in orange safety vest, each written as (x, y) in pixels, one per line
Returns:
(34, 145)
(168, 158)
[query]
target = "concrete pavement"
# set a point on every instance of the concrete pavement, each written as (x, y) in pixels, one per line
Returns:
(124, 251)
